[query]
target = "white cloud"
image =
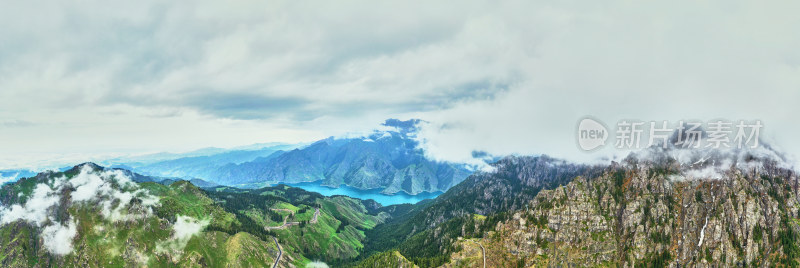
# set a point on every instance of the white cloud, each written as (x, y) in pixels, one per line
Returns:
(278, 63)
(111, 190)
(316, 264)
(630, 61)
(58, 238)
(36, 208)
(87, 185)
(184, 228)
(510, 77)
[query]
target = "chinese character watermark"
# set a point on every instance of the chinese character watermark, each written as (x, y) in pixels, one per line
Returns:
(716, 134)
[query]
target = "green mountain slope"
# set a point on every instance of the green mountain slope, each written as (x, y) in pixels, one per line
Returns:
(90, 216)
(531, 211)
(650, 210)
(645, 214)
(385, 259)
(426, 232)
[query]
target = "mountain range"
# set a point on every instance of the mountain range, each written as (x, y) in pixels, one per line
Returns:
(528, 211)
(91, 216)
(389, 160)
(659, 207)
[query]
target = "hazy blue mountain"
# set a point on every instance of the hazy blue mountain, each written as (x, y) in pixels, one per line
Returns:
(205, 166)
(140, 160)
(389, 160)
(236, 154)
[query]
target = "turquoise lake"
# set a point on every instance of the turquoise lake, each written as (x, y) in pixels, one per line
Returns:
(374, 194)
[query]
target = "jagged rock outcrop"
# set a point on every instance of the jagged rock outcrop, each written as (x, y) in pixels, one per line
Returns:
(643, 213)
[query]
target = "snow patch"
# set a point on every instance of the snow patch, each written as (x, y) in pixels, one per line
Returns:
(702, 233)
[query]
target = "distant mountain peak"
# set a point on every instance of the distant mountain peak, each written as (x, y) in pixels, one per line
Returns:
(91, 165)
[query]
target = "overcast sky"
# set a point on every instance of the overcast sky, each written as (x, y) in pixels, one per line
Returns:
(94, 78)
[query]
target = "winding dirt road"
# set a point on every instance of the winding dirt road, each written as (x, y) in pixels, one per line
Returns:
(312, 221)
(483, 252)
(287, 224)
(316, 214)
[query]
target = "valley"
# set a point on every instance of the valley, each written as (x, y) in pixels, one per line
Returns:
(529, 211)
(227, 226)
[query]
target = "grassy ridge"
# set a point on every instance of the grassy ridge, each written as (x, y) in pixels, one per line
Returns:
(336, 237)
(233, 231)
(104, 242)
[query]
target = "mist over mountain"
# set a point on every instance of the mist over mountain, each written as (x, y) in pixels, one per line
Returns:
(658, 206)
(92, 216)
(708, 162)
(201, 166)
(652, 209)
(402, 134)
(645, 212)
(389, 159)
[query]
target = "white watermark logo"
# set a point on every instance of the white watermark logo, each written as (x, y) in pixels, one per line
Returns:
(591, 134)
(632, 134)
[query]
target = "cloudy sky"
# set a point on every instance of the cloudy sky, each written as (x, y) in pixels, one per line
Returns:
(93, 78)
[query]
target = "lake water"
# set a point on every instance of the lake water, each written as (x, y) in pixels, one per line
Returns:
(374, 194)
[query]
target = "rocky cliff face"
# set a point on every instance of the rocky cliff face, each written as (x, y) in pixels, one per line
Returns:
(642, 213)
(429, 229)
